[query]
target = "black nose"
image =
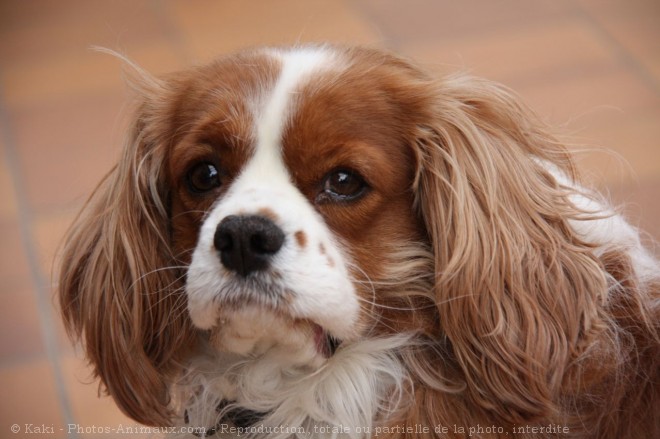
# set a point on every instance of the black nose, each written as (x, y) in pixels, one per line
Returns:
(247, 242)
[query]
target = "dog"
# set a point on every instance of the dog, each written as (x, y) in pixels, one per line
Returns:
(324, 241)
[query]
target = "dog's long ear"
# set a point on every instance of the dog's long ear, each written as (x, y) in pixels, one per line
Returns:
(119, 287)
(516, 289)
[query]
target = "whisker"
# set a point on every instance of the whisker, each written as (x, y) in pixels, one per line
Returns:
(187, 212)
(158, 270)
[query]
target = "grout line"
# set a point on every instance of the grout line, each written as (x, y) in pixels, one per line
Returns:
(172, 32)
(359, 10)
(41, 289)
(619, 50)
(399, 43)
(17, 361)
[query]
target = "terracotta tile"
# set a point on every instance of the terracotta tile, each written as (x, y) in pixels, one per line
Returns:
(90, 409)
(633, 25)
(8, 207)
(565, 99)
(14, 267)
(639, 201)
(624, 145)
(48, 231)
(19, 315)
(65, 345)
(418, 20)
(612, 115)
(210, 28)
(79, 72)
(66, 147)
(47, 79)
(40, 29)
(517, 54)
(29, 397)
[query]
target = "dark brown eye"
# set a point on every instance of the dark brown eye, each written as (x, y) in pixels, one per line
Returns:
(203, 177)
(343, 185)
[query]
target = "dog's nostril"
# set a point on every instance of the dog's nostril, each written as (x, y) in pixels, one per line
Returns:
(223, 241)
(268, 242)
(247, 242)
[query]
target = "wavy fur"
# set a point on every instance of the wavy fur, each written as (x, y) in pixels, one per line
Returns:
(512, 297)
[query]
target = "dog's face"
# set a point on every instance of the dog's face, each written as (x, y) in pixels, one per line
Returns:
(300, 201)
(295, 192)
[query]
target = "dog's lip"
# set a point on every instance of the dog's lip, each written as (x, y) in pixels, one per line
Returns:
(326, 344)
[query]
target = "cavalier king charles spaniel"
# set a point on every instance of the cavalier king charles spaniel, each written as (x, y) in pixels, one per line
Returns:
(322, 241)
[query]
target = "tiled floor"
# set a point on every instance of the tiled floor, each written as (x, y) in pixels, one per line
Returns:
(590, 66)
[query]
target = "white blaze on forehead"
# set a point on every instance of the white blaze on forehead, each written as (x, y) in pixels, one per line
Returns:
(297, 66)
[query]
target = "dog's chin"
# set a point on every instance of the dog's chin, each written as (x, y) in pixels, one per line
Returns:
(256, 331)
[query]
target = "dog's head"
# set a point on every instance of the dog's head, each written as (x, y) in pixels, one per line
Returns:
(305, 199)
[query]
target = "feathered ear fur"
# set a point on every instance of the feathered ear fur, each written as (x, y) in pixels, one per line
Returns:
(517, 291)
(119, 285)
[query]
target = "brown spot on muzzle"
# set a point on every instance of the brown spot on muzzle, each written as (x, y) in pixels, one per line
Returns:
(301, 238)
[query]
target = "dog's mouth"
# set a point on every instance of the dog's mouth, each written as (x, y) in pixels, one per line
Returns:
(326, 344)
(255, 330)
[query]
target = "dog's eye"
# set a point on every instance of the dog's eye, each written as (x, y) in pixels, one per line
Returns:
(203, 177)
(343, 185)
